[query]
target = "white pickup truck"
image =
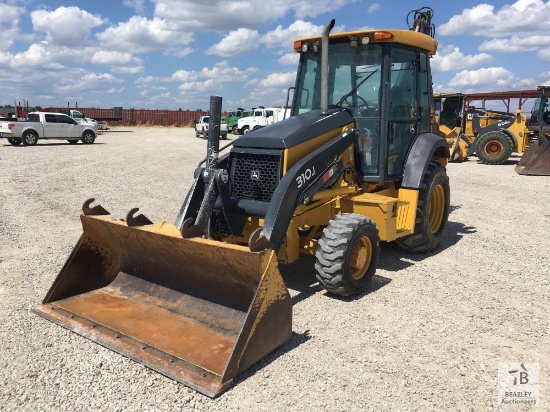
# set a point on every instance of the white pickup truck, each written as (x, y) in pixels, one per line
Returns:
(44, 125)
(201, 128)
(262, 117)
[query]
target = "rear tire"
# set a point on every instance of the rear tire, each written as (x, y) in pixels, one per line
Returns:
(347, 254)
(432, 212)
(14, 141)
(224, 136)
(29, 138)
(494, 148)
(88, 137)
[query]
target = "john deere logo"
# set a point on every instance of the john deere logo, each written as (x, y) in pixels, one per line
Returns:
(255, 175)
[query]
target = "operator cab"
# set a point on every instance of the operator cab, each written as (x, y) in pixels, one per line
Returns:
(540, 115)
(386, 86)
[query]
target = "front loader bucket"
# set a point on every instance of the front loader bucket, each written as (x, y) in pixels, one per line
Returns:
(536, 159)
(196, 310)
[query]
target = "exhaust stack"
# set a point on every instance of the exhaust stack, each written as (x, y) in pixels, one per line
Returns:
(324, 67)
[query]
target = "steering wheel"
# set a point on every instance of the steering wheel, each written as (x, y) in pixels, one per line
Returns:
(363, 106)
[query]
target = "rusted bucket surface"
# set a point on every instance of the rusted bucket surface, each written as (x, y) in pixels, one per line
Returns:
(536, 159)
(196, 310)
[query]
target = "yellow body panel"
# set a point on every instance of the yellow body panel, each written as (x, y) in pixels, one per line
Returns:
(298, 152)
(407, 37)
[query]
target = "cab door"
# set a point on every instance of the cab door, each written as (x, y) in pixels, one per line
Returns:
(403, 109)
(68, 127)
(51, 127)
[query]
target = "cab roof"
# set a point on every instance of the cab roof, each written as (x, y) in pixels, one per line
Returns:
(407, 37)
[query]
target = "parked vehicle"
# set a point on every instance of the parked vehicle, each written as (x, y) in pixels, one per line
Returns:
(232, 117)
(262, 117)
(75, 114)
(201, 128)
(45, 125)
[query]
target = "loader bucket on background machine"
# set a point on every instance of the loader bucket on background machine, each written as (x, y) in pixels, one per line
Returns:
(536, 159)
(196, 310)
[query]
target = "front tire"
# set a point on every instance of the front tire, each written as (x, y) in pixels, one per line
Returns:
(432, 212)
(29, 138)
(494, 148)
(246, 129)
(88, 137)
(14, 141)
(347, 254)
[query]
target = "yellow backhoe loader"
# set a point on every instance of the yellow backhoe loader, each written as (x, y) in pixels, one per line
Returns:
(202, 299)
(536, 159)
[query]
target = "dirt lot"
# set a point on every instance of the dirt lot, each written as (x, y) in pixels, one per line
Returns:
(429, 335)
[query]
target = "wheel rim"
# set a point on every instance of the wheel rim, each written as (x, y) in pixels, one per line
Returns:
(30, 139)
(437, 207)
(493, 148)
(361, 258)
(88, 138)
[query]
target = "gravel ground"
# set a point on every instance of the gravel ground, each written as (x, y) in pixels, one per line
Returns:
(428, 335)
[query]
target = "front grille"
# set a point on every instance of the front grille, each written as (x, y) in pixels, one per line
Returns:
(255, 176)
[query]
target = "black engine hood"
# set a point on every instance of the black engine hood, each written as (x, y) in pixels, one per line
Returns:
(294, 130)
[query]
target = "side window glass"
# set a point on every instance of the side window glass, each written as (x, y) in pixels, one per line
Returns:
(425, 86)
(403, 113)
(51, 118)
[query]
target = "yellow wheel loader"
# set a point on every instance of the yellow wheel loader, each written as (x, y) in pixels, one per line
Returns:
(202, 299)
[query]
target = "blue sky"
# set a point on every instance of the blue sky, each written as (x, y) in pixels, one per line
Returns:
(170, 54)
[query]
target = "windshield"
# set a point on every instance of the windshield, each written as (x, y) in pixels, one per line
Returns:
(354, 78)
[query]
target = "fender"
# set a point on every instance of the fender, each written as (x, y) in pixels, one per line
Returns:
(292, 187)
(425, 147)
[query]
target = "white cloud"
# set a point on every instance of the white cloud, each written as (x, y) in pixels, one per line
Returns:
(184, 76)
(544, 54)
(373, 7)
(199, 87)
(278, 80)
(516, 43)
(66, 26)
(122, 61)
(137, 5)
(491, 78)
(9, 21)
(223, 72)
(45, 56)
(143, 36)
(290, 59)
(284, 38)
(89, 82)
(250, 14)
(523, 16)
(236, 43)
(114, 90)
(450, 58)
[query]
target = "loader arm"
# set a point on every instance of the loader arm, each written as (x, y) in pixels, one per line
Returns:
(292, 186)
